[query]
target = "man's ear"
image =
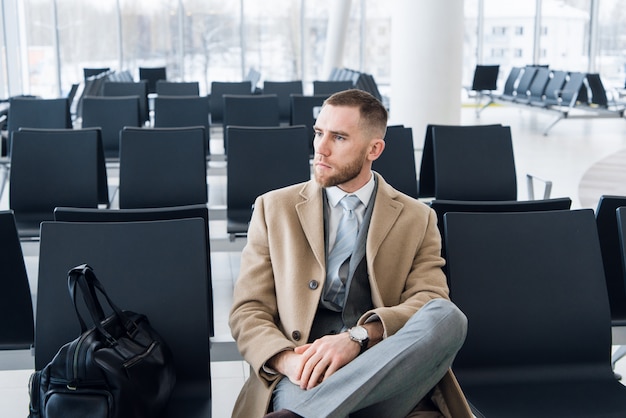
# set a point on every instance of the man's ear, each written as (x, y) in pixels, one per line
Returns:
(377, 147)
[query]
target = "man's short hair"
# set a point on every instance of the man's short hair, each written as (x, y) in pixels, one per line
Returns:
(373, 114)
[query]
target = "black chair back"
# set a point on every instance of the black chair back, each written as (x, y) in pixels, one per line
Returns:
(249, 150)
(139, 264)
(126, 88)
(532, 287)
(162, 167)
(219, 89)
(17, 325)
(397, 162)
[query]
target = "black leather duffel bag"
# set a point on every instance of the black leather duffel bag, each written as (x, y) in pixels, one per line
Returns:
(118, 368)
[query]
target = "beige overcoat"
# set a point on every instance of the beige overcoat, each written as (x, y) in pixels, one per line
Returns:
(283, 271)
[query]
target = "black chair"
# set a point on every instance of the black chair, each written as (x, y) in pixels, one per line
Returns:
(284, 90)
(607, 223)
(485, 78)
(152, 75)
(508, 92)
(30, 112)
(304, 111)
(441, 207)
(219, 89)
(484, 83)
(397, 162)
(51, 168)
(90, 72)
(553, 89)
(522, 86)
(617, 319)
(182, 111)
(468, 163)
(130, 88)
(539, 340)
(330, 87)
(177, 88)
(162, 167)
(111, 114)
(17, 325)
(536, 89)
(66, 214)
(569, 93)
(156, 268)
(248, 151)
(250, 110)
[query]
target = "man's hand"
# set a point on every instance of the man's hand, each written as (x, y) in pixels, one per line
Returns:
(308, 365)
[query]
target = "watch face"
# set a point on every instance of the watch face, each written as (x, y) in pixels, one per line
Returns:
(358, 333)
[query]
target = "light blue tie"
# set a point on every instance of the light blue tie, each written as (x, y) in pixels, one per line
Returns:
(344, 244)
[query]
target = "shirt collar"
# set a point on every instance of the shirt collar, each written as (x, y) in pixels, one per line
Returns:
(335, 194)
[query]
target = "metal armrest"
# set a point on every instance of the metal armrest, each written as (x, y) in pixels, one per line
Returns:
(531, 187)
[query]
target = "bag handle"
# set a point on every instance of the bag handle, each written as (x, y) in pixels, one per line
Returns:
(84, 276)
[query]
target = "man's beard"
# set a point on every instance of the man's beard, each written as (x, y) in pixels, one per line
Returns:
(344, 174)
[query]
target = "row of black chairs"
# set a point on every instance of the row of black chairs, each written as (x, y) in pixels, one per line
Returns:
(539, 87)
(532, 285)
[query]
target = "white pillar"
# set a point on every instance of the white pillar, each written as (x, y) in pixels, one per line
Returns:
(426, 64)
(338, 20)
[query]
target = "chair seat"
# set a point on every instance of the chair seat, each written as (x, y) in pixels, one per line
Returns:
(603, 398)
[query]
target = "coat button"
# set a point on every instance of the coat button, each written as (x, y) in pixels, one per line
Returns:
(296, 335)
(313, 284)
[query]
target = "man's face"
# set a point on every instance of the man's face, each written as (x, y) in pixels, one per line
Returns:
(340, 149)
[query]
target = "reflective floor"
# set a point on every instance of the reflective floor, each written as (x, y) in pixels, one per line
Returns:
(580, 157)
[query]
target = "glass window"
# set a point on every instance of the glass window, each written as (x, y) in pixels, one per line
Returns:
(611, 59)
(40, 49)
(150, 31)
(272, 38)
(4, 86)
(88, 37)
(564, 34)
(212, 41)
(376, 41)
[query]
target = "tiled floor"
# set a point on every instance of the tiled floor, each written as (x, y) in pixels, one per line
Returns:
(564, 156)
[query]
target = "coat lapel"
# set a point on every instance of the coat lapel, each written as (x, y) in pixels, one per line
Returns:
(312, 220)
(384, 216)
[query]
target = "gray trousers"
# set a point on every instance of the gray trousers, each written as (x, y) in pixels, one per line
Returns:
(390, 378)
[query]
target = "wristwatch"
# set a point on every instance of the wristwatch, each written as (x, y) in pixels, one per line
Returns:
(359, 334)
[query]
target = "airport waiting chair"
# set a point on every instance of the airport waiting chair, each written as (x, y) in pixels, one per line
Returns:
(441, 207)
(536, 89)
(51, 168)
(330, 87)
(249, 150)
(284, 90)
(152, 75)
(468, 163)
(523, 84)
(397, 162)
(250, 110)
(304, 111)
(569, 93)
(177, 88)
(66, 214)
(111, 115)
(31, 112)
(474, 163)
(162, 167)
(539, 341)
(130, 88)
(484, 83)
(216, 100)
(17, 325)
(156, 268)
(553, 89)
(90, 72)
(183, 111)
(610, 235)
(617, 319)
